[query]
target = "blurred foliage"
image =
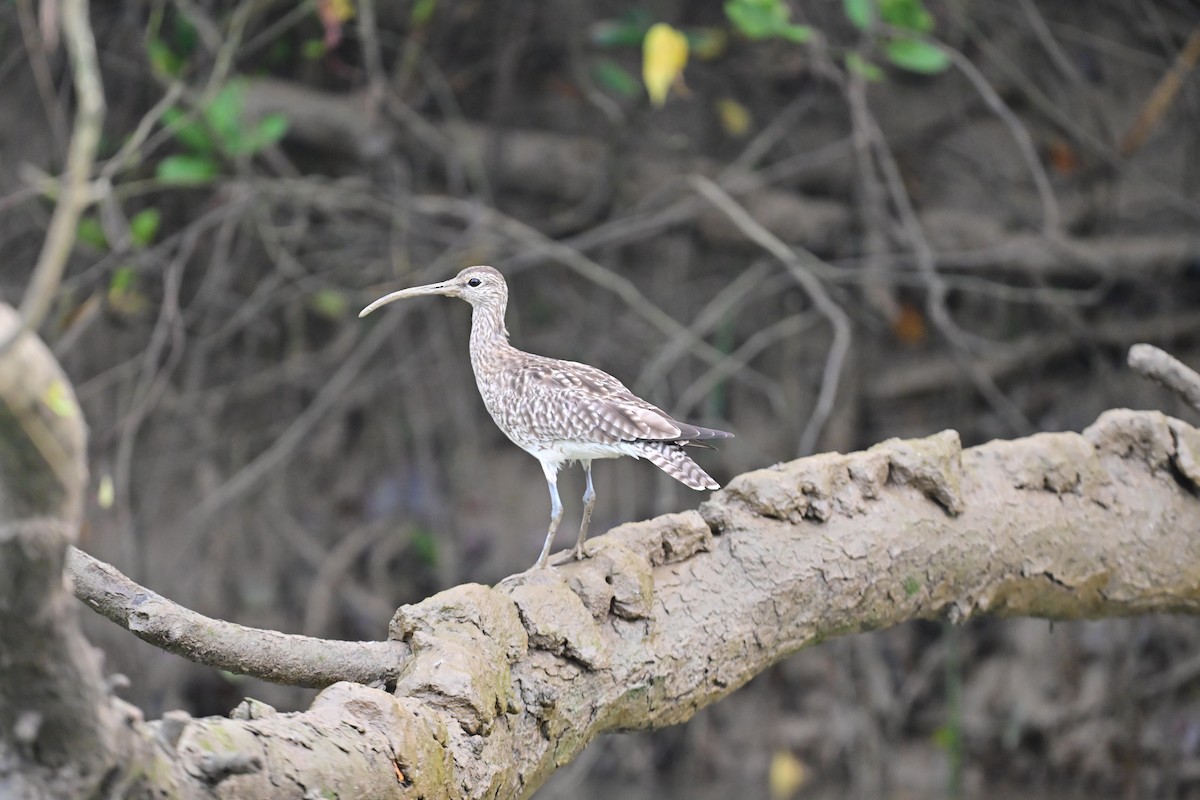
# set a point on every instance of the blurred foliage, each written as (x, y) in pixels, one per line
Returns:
(765, 19)
(217, 131)
(906, 52)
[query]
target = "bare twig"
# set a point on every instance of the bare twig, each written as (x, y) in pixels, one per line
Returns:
(1163, 368)
(74, 190)
(797, 261)
(1160, 99)
(251, 475)
(872, 204)
(935, 303)
(718, 308)
(270, 655)
(1051, 214)
(39, 65)
(785, 328)
(937, 374)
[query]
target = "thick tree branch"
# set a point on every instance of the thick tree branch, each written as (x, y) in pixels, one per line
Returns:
(507, 683)
(497, 687)
(57, 727)
(270, 655)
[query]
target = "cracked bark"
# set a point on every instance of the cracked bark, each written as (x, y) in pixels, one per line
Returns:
(504, 684)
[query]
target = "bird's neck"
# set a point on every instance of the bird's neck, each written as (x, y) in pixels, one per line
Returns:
(487, 330)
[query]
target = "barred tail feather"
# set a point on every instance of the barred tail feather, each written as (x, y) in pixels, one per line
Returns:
(670, 458)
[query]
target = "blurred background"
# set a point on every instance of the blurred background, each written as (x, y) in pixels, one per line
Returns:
(841, 221)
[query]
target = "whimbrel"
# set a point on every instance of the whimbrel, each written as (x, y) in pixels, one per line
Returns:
(561, 411)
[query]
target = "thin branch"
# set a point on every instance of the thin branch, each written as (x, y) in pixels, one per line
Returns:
(797, 261)
(74, 191)
(1163, 368)
(935, 303)
(270, 655)
(281, 450)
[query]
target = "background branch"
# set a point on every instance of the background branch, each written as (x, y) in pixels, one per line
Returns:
(73, 190)
(1167, 370)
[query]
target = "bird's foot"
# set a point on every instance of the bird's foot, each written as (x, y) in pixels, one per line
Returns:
(577, 553)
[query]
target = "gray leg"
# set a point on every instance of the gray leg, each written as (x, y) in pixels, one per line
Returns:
(589, 500)
(556, 511)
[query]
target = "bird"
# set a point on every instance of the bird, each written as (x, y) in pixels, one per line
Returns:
(561, 411)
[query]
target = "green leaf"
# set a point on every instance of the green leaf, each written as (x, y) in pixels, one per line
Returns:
(627, 31)
(163, 59)
(796, 33)
(422, 11)
(908, 14)
(270, 129)
(184, 36)
(313, 49)
(764, 19)
(329, 303)
(91, 233)
(859, 12)
(947, 737)
(190, 133)
(122, 279)
(426, 547)
(123, 296)
(860, 66)
(186, 169)
(615, 78)
(144, 226)
(756, 19)
(224, 115)
(916, 56)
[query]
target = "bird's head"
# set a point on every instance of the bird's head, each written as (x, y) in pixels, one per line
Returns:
(479, 286)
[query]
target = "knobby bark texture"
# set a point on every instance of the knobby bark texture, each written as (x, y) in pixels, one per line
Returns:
(498, 686)
(60, 732)
(505, 684)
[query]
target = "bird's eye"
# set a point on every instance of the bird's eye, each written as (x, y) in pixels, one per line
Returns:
(474, 282)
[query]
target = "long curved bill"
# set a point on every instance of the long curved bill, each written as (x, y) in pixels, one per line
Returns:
(445, 287)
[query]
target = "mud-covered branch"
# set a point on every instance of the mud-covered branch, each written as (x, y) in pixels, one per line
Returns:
(508, 683)
(58, 729)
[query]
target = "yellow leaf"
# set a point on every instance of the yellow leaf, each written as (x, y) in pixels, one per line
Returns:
(664, 55)
(735, 119)
(106, 494)
(786, 775)
(337, 10)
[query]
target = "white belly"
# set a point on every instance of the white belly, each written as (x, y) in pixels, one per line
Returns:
(559, 453)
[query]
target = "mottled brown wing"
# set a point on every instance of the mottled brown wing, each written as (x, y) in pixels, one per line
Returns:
(601, 408)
